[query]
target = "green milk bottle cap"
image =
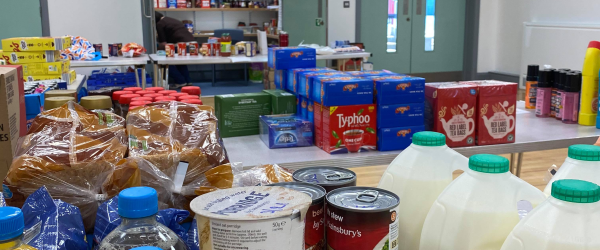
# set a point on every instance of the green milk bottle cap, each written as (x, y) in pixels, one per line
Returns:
(576, 191)
(584, 152)
(491, 164)
(430, 139)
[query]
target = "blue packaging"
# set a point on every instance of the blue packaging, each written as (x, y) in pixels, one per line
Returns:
(172, 4)
(399, 89)
(310, 111)
(314, 80)
(292, 57)
(285, 131)
(292, 78)
(400, 115)
(341, 91)
(372, 73)
(281, 79)
(302, 77)
(298, 106)
(54, 224)
(400, 138)
(303, 108)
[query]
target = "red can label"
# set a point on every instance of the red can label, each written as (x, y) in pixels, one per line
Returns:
(194, 49)
(355, 230)
(349, 129)
(181, 49)
(314, 236)
(170, 49)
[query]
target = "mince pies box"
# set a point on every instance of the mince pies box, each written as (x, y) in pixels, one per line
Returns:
(282, 102)
(344, 90)
(280, 79)
(12, 113)
(239, 114)
(399, 89)
(292, 58)
(285, 131)
(389, 139)
(293, 80)
(347, 129)
(400, 115)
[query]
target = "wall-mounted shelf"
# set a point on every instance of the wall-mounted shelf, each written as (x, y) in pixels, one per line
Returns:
(219, 9)
(246, 35)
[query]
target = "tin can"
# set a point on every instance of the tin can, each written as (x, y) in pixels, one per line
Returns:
(250, 49)
(170, 49)
(194, 49)
(314, 231)
(216, 49)
(113, 50)
(266, 218)
(119, 47)
(329, 178)
(98, 48)
(362, 218)
(181, 49)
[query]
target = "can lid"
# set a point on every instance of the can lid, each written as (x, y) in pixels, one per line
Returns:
(117, 94)
(251, 203)
(584, 152)
(55, 102)
(490, 164)
(325, 176)
(126, 99)
(316, 192)
(138, 202)
(576, 191)
(193, 101)
(428, 138)
(96, 102)
(533, 72)
(364, 199)
(56, 93)
(11, 223)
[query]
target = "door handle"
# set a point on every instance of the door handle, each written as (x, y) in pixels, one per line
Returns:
(408, 19)
(144, 9)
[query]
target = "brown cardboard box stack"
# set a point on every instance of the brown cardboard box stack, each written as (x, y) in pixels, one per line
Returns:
(12, 113)
(269, 77)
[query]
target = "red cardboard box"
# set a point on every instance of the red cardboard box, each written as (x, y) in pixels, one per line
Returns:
(496, 116)
(451, 111)
(349, 129)
(318, 109)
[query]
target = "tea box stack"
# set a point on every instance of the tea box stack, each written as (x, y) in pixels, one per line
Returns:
(39, 57)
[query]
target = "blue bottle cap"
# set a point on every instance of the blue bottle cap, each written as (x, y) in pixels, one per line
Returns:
(11, 223)
(138, 202)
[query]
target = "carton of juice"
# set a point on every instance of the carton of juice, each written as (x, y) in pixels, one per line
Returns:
(399, 89)
(496, 112)
(399, 138)
(345, 90)
(451, 111)
(292, 78)
(292, 58)
(349, 129)
(304, 86)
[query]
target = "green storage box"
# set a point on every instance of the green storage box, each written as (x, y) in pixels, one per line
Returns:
(282, 102)
(238, 114)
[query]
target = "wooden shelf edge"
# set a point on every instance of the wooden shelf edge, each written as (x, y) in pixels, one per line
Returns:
(217, 9)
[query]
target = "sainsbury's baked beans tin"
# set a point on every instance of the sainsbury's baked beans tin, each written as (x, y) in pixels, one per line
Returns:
(182, 49)
(362, 218)
(314, 231)
(170, 49)
(329, 178)
(251, 218)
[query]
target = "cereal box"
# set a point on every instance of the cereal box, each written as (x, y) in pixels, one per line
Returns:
(302, 77)
(451, 111)
(239, 114)
(30, 57)
(64, 76)
(292, 79)
(399, 89)
(371, 73)
(52, 68)
(280, 79)
(292, 58)
(345, 90)
(496, 112)
(400, 138)
(282, 102)
(22, 44)
(349, 129)
(400, 115)
(318, 123)
(285, 131)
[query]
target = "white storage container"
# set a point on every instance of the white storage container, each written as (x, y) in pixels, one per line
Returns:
(582, 163)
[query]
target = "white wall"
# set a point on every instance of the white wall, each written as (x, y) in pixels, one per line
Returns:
(211, 20)
(501, 27)
(341, 21)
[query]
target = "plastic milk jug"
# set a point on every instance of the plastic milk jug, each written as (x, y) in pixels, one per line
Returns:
(567, 220)
(418, 176)
(478, 210)
(582, 163)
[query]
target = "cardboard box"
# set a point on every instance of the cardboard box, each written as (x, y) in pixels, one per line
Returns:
(30, 57)
(22, 44)
(292, 58)
(12, 113)
(349, 129)
(307, 79)
(318, 123)
(66, 77)
(316, 90)
(302, 85)
(282, 102)
(73, 76)
(451, 111)
(292, 79)
(400, 138)
(304, 107)
(372, 73)
(272, 76)
(401, 115)
(497, 106)
(399, 89)
(239, 114)
(285, 131)
(53, 68)
(345, 90)
(281, 79)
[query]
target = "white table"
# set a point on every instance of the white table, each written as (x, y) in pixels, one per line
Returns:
(164, 62)
(532, 134)
(137, 62)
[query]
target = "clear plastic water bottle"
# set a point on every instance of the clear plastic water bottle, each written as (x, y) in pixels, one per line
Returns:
(137, 208)
(11, 229)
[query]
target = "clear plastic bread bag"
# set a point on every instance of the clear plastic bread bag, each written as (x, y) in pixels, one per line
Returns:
(71, 151)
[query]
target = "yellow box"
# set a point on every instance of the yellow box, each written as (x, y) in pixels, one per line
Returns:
(64, 76)
(30, 57)
(67, 41)
(23, 44)
(53, 68)
(73, 76)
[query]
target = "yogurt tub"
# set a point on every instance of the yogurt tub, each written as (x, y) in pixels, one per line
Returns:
(251, 218)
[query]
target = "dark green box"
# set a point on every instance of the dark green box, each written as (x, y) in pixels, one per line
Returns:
(282, 102)
(238, 114)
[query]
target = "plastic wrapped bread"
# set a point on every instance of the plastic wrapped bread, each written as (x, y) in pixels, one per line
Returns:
(71, 151)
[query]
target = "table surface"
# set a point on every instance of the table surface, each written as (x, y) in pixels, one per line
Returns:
(179, 60)
(80, 82)
(532, 134)
(113, 61)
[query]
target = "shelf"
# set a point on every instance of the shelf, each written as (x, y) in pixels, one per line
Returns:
(246, 35)
(219, 9)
